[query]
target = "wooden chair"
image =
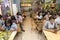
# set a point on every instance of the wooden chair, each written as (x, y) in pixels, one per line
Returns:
(39, 26)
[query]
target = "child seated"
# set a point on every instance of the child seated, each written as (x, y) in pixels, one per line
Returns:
(13, 19)
(9, 25)
(1, 21)
(50, 25)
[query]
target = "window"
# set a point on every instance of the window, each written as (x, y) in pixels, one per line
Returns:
(26, 2)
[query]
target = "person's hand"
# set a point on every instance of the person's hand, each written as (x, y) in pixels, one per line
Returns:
(51, 30)
(1, 29)
(17, 21)
(12, 29)
(58, 28)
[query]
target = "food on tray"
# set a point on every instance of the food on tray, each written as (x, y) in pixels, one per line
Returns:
(4, 35)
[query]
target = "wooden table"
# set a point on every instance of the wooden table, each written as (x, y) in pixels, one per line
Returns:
(12, 35)
(52, 36)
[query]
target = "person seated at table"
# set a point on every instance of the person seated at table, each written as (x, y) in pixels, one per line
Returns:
(39, 16)
(57, 20)
(1, 21)
(9, 25)
(47, 16)
(13, 19)
(50, 25)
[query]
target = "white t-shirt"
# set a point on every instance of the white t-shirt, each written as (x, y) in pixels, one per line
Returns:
(50, 26)
(13, 26)
(57, 20)
(19, 18)
(39, 17)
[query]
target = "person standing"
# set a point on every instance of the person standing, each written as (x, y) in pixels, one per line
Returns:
(19, 20)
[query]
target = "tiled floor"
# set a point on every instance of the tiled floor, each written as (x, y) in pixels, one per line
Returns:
(29, 34)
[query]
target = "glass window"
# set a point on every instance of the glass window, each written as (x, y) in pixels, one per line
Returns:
(26, 2)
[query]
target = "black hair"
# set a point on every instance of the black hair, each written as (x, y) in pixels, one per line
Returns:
(38, 3)
(13, 17)
(43, 11)
(48, 12)
(51, 17)
(8, 21)
(58, 14)
(0, 16)
(18, 13)
(39, 13)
